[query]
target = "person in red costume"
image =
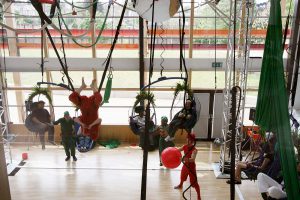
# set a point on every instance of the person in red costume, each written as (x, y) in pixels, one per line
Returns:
(190, 151)
(88, 106)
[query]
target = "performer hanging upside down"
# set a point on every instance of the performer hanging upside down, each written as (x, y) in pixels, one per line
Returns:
(88, 106)
(189, 168)
(186, 119)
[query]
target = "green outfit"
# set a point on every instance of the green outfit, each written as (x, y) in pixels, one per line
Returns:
(67, 133)
(162, 143)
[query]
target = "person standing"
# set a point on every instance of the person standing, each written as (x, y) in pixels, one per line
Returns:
(163, 132)
(189, 167)
(68, 135)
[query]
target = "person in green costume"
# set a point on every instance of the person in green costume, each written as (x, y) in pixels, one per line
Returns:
(163, 131)
(68, 135)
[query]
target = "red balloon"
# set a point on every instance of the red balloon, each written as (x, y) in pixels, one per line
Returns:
(171, 157)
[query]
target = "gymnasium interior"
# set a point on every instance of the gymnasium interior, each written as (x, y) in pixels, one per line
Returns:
(149, 99)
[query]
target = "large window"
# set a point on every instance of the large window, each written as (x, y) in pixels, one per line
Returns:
(30, 79)
(206, 80)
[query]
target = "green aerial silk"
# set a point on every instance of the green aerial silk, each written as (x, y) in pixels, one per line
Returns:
(107, 90)
(272, 102)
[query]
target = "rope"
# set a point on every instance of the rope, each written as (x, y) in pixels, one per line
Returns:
(152, 41)
(183, 64)
(111, 69)
(63, 48)
(234, 38)
(24, 32)
(39, 9)
(65, 70)
(108, 59)
(46, 24)
(48, 21)
(232, 188)
(215, 51)
(164, 49)
(195, 175)
(4, 60)
(99, 34)
(42, 53)
(81, 7)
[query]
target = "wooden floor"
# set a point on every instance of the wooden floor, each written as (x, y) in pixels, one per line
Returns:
(112, 175)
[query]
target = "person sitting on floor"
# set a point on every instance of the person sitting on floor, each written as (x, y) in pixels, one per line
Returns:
(163, 132)
(271, 189)
(260, 164)
(67, 134)
(186, 118)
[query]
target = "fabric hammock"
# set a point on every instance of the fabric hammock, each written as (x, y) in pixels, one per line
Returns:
(272, 103)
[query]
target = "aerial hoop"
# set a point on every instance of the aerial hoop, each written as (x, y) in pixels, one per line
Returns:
(163, 78)
(54, 84)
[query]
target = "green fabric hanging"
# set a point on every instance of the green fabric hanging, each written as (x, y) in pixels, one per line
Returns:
(107, 89)
(272, 103)
(110, 144)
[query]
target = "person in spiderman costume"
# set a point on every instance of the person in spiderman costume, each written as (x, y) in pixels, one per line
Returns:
(189, 167)
(88, 106)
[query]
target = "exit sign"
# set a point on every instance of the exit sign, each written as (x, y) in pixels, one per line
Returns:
(217, 64)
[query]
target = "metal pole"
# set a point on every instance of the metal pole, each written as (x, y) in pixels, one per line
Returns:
(145, 154)
(141, 52)
(4, 188)
(232, 143)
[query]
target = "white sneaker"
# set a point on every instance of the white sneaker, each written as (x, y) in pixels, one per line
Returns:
(167, 139)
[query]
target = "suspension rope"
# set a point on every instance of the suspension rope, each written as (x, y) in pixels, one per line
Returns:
(108, 59)
(164, 49)
(99, 34)
(42, 53)
(183, 65)
(215, 51)
(38, 6)
(63, 50)
(151, 67)
(82, 7)
(152, 41)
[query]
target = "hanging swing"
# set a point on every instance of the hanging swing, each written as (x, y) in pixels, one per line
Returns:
(92, 132)
(195, 106)
(137, 120)
(37, 91)
(137, 108)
